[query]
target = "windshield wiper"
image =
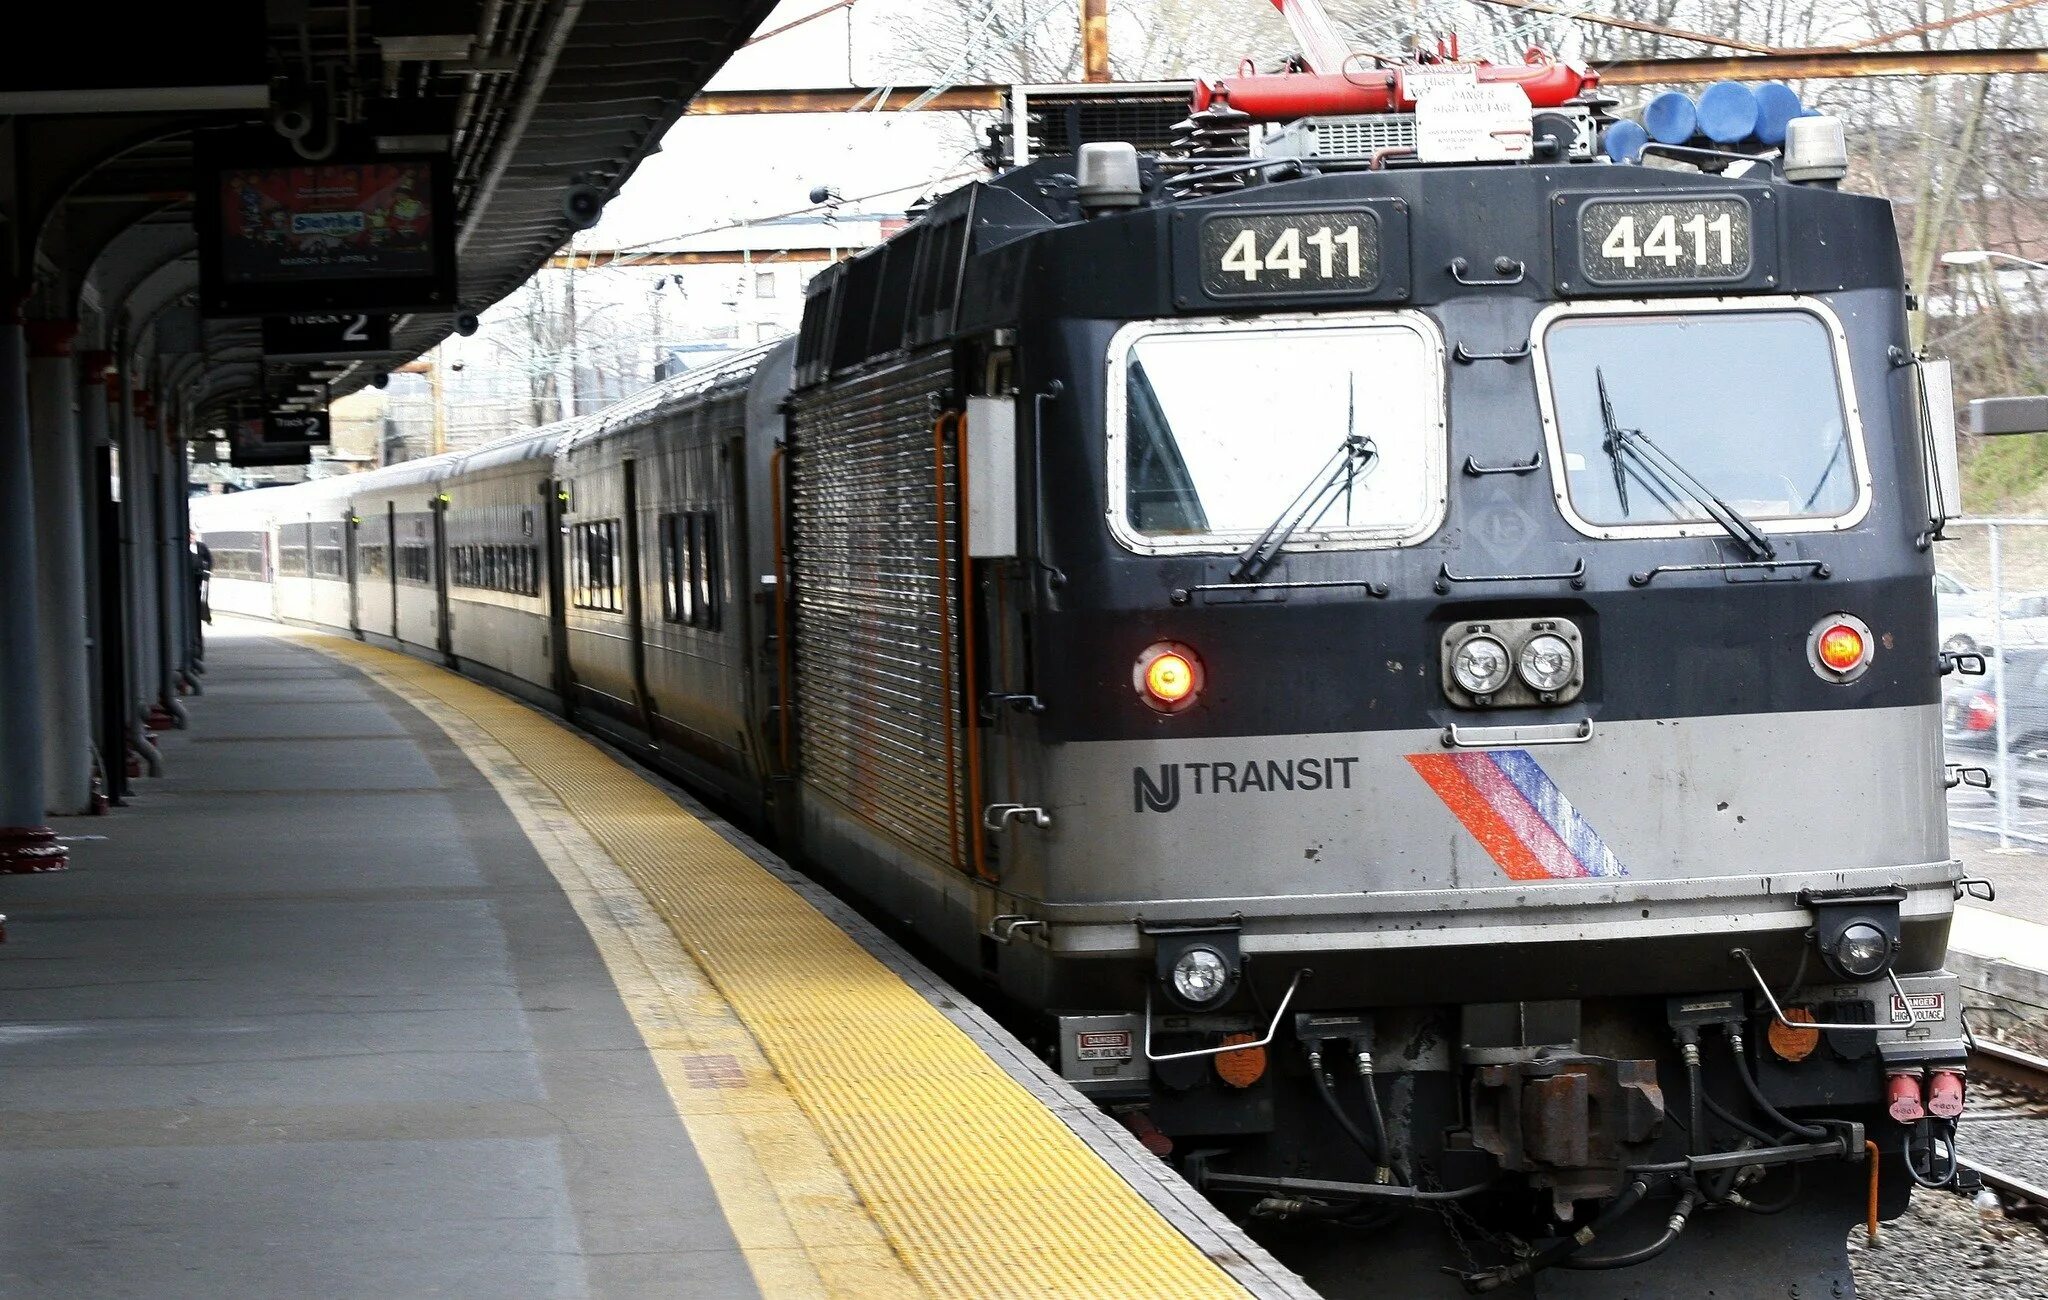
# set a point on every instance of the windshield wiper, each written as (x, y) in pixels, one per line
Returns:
(1354, 459)
(1632, 449)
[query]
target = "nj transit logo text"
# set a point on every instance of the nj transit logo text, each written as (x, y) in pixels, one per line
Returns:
(1162, 792)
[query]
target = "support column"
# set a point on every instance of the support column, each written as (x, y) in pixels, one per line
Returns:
(112, 706)
(138, 621)
(26, 842)
(60, 563)
(171, 551)
(138, 501)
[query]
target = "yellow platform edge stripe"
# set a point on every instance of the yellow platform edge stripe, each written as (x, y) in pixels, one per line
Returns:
(919, 1165)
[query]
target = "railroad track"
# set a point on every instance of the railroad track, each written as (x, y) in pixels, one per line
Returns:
(2023, 1079)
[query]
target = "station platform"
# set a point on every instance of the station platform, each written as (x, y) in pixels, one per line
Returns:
(2000, 948)
(396, 986)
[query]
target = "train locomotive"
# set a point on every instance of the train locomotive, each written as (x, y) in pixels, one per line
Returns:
(1412, 677)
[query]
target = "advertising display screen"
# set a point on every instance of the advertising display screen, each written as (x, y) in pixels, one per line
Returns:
(247, 446)
(286, 236)
(285, 224)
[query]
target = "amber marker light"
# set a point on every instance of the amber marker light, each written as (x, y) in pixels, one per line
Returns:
(1839, 647)
(1242, 1066)
(1168, 676)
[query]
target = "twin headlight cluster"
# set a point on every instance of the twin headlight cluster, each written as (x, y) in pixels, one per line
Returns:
(1513, 661)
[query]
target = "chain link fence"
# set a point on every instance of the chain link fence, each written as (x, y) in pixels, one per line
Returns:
(1992, 589)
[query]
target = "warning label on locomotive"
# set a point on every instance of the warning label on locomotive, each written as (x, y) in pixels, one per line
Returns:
(1103, 1045)
(1924, 1006)
(1252, 255)
(1638, 241)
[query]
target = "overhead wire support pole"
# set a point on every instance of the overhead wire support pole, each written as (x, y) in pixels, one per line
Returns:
(1094, 41)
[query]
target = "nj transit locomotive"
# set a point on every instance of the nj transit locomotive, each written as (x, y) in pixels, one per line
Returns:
(1417, 681)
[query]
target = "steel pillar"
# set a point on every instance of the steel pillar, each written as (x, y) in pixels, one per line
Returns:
(112, 705)
(26, 842)
(171, 552)
(60, 563)
(138, 506)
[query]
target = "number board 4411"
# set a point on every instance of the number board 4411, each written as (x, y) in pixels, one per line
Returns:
(1275, 254)
(1639, 241)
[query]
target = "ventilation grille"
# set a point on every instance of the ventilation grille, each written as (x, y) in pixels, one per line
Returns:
(877, 702)
(1342, 137)
(1061, 122)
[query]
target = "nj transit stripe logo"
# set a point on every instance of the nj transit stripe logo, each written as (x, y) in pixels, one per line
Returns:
(1517, 813)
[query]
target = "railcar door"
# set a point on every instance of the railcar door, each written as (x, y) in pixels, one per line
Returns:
(444, 634)
(557, 592)
(391, 559)
(636, 622)
(350, 527)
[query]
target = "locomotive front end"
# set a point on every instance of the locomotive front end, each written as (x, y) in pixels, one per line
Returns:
(1497, 774)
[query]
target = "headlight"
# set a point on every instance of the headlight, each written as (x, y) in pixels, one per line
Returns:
(1200, 976)
(1480, 665)
(1547, 662)
(1862, 950)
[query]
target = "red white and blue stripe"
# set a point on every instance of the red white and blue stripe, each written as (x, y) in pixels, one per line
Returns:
(1517, 813)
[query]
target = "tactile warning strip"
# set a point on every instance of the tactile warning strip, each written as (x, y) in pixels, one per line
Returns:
(980, 1190)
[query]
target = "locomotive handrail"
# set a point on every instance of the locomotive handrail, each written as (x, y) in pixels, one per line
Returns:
(1576, 575)
(1507, 271)
(1377, 590)
(1272, 1030)
(1578, 733)
(1820, 569)
(1465, 356)
(1477, 470)
(1778, 1012)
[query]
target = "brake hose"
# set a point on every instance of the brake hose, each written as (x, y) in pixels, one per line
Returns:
(1756, 1094)
(1329, 1096)
(1686, 1205)
(1944, 1131)
(1495, 1278)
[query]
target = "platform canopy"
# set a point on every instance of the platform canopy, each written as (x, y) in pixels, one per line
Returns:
(442, 149)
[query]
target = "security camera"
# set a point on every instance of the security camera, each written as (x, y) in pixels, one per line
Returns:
(292, 121)
(824, 194)
(466, 324)
(582, 204)
(381, 381)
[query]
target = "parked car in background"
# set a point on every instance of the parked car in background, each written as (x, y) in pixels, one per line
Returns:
(2025, 626)
(1969, 713)
(1957, 599)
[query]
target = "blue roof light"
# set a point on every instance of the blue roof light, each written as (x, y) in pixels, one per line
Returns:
(1776, 104)
(1727, 112)
(1670, 118)
(1624, 141)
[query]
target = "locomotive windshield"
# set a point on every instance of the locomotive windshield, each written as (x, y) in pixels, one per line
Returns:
(1215, 428)
(1746, 405)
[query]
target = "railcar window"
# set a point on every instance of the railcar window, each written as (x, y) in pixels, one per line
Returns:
(1749, 403)
(1215, 430)
(692, 590)
(595, 566)
(416, 563)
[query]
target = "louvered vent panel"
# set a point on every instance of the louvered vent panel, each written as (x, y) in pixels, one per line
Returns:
(875, 700)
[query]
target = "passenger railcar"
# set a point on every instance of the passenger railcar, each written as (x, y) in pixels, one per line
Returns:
(1418, 680)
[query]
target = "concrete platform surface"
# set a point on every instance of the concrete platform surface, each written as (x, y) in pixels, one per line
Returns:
(311, 1018)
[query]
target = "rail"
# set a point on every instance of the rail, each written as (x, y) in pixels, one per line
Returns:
(2025, 1073)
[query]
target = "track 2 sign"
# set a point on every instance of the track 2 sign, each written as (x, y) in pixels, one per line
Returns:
(331, 334)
